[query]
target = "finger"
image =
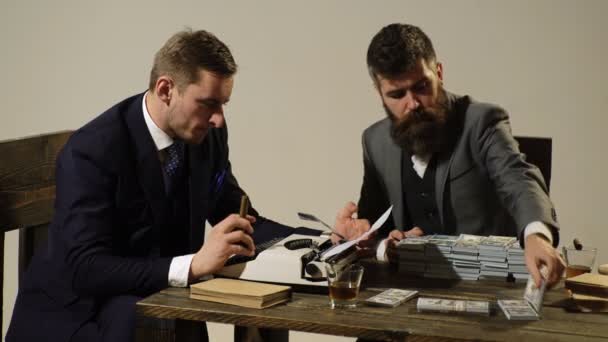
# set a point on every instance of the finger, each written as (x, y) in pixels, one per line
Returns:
(397, 235)
(534, 272)
(347, 212)
(240, 223)
(361, 225)
(240, 237)
(251, 218)
(416, 231)
(240, 250)
(557, 270)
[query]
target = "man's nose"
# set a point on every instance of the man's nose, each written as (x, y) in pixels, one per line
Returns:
(217, 118)
(411, 102)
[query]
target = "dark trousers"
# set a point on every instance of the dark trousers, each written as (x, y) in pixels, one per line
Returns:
(115, 321)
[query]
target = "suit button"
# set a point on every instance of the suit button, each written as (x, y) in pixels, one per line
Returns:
(430, 215)
(424, 194)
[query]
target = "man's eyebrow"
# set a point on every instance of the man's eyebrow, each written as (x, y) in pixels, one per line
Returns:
(211, 100)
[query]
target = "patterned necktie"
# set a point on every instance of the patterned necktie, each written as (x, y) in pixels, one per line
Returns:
(173, 162)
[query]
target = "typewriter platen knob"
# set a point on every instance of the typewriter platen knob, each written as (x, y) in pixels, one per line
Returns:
(313, 271)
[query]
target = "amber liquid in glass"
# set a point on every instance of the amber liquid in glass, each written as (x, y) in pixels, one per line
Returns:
(343, 291)
(574, 270)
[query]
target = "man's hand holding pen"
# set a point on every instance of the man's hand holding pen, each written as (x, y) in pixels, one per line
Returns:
(232, 236)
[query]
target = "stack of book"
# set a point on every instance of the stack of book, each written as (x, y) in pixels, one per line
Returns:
(589, 291)
(240, 292)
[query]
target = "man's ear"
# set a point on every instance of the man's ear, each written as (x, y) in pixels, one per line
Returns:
(440, 71)
(164, 88)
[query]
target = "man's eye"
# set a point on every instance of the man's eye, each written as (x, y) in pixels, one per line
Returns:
(208, 104)
(420, 86)
(396, 94)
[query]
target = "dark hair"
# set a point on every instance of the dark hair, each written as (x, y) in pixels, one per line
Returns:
(395, 50)
(186, 52)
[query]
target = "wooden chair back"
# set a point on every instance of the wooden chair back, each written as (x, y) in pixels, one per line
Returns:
(27, 192)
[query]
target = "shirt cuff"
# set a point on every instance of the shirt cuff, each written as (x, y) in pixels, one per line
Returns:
(180, 270)
(381, 251)
(538, 227)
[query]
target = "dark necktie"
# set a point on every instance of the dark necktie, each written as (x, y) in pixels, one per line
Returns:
(173, 163)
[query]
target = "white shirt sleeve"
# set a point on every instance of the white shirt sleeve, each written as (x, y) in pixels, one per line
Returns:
(381, 251)
(180, 270)
(538, 227)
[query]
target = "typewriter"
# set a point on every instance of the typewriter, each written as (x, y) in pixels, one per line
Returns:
(296, 260)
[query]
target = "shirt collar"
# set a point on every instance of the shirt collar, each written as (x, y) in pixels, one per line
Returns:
(161, 139)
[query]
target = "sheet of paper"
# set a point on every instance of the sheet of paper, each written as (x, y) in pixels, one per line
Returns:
(344, 246)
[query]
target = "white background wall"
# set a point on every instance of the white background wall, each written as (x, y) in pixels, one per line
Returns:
(302, 95)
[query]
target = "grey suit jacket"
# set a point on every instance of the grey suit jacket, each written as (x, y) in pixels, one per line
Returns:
(483, 185)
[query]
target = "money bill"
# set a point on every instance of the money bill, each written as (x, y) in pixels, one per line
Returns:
(518, 309)
(452, 305)
(391, 297)
(534, 295)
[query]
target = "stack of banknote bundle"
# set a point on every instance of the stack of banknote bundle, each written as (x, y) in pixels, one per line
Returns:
(517, 262)
(468, 257)
(493, 257)
(438, 253)
(465, 255)
(411, 255)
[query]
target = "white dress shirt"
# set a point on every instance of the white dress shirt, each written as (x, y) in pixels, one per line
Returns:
(420, 164)
(180, 266)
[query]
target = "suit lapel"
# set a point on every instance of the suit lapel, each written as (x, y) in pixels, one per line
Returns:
(458, 107)
(148, 166)
(444, 161)
(199, 181)
(394, 164)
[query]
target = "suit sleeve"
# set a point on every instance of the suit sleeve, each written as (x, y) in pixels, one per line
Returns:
(373, 199)
(519, 185)
(85, 209)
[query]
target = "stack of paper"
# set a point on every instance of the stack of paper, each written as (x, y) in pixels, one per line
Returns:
(589, 291)
(240, 292)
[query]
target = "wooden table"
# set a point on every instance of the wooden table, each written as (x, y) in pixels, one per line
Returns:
(311, 313)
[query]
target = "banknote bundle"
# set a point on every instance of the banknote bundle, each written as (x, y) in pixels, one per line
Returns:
(391, 297)
(493, 256)
(474, 307)
(528, 308)
(517, 263)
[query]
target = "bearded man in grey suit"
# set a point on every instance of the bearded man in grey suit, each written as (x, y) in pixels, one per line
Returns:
(447, 163)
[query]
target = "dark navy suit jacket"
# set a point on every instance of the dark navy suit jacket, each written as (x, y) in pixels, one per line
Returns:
(111, 215)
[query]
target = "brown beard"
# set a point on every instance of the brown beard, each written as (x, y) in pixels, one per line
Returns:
(423, 131)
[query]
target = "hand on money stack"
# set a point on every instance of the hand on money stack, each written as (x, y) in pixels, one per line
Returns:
(528, 308)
